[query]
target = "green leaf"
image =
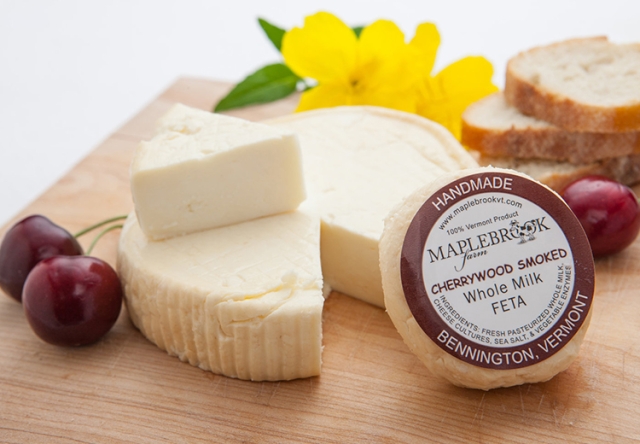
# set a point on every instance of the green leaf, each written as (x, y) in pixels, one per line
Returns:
(274, 33)
(358, 30)
(267, 84)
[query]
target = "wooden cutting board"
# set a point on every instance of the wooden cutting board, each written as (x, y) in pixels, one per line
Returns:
(372, 389)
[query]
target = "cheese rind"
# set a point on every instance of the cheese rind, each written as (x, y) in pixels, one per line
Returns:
(359, 162)
(205, 170)
(243, 301)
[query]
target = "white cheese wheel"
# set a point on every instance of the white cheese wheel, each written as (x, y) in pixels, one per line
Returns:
(359, 162)
(426, 287)
(243, 301)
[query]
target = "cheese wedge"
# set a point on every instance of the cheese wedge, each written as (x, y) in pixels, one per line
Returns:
(359, 162)
(243, 300)
(205, 170)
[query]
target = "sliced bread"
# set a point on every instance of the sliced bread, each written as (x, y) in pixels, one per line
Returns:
(557, 175)
(495, 128)
(587, 84)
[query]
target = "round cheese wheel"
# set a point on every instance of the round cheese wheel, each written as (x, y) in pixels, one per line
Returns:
(243, 301)
(359, 162)
(488, 276)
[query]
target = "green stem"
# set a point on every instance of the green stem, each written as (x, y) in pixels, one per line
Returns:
(98, 225)
(102, 233)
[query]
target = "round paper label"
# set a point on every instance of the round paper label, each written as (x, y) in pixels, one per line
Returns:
(497, 271)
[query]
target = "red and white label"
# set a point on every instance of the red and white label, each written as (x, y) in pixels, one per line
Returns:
(497, 271)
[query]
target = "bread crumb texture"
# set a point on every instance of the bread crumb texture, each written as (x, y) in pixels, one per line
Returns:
(587, 84)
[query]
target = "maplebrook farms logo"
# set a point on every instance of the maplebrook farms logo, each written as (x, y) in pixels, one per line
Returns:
(524, 231)
(472, 247)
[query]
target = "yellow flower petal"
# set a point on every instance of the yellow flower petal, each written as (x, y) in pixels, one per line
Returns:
(425, 43)
(323, 49)
(381, 37)
(403, 100)
(382, 58)
(448, 94)
(328, 95)
(325, 96)
(384, 75)
(469, 77)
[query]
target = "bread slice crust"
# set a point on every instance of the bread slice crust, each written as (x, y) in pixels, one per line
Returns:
(557, 175)
(527, 85)
(494, 128)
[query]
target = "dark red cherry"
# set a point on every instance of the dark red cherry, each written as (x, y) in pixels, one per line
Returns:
(28, 242)
(608, 211)
(72, 300)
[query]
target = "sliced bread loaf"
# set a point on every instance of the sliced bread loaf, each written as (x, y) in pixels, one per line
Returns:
(557, 175)
(587, 84)
(495, 128)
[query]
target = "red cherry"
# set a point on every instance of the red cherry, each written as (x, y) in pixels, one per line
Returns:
(28, 242)
(72, 300)
(608, 211)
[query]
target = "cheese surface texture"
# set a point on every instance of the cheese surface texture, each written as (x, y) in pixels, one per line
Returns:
(482, 309)
(243, 300)
(359, 162)
(205, 170)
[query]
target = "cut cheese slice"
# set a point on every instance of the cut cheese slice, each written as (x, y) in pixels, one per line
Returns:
(205, 170)
(243, 301)
(359, 162)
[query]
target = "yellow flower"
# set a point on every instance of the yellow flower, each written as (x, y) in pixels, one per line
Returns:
(445, 96)
(374, 69)
(379, 68)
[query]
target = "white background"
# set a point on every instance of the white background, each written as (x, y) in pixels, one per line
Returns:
(71, 72)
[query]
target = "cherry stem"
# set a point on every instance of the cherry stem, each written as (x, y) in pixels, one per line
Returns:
(98, 225)
(97, 238)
